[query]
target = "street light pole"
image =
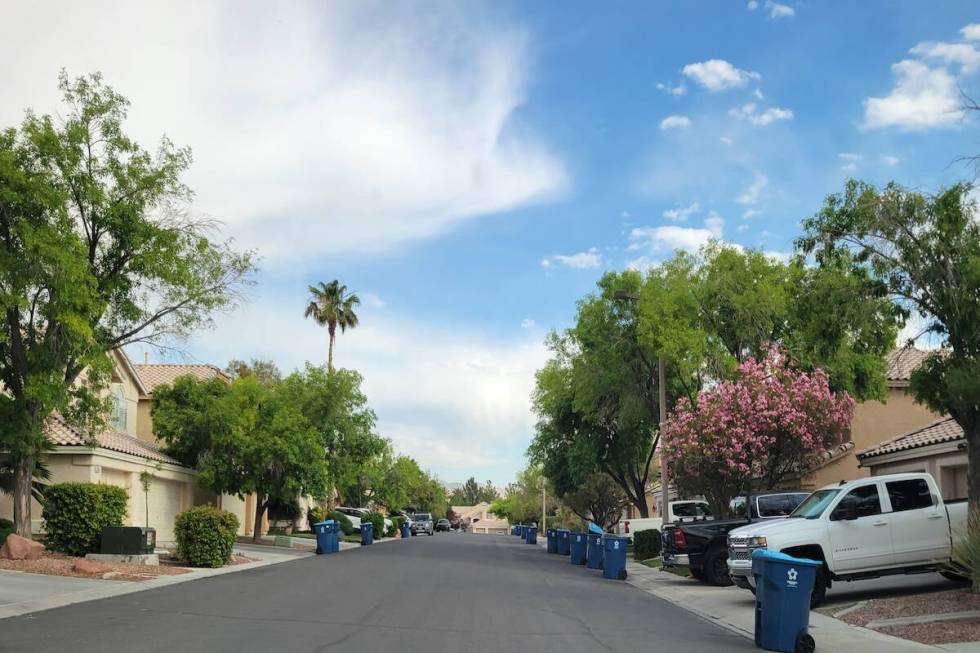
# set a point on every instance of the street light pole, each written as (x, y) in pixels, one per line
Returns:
(544, 517)
(662, 386)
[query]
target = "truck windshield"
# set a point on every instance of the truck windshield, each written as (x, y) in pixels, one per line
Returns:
(815, 504)
(422, 516)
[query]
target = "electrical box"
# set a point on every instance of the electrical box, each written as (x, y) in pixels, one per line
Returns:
(128, 540)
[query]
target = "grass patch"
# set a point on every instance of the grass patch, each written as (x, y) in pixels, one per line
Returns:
(307, 536)
(356, 539)
(653, 563)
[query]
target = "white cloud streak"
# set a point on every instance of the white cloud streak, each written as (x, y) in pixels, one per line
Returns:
(718, 75)
(675, 122)
(580, 261)
(681, 213)
(748, 111)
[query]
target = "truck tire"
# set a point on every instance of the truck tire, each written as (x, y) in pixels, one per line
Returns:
(715, 567)
(820, 585)
(696, 574)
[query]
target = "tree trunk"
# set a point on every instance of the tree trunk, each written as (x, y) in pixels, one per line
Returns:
(332, 331)
(260, 504)
(23, 476)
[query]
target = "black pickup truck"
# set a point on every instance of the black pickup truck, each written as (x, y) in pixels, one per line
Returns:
(702, 546)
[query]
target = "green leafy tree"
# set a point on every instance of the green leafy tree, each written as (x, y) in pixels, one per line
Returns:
(331, 305)
(522, 501)
(266, 371)
(98, 250)
(598, 499)
(925, 252)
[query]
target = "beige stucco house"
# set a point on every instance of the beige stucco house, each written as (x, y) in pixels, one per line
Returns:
(479, 519)
(127, 448)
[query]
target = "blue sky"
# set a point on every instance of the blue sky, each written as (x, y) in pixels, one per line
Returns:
(471, 169)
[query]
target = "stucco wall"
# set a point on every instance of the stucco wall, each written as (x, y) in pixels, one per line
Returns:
(946, 466)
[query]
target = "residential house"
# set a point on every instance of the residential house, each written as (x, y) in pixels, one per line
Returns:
(126, 449)
(479, 519)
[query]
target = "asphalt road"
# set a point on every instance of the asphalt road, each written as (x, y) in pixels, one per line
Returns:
(450, 592)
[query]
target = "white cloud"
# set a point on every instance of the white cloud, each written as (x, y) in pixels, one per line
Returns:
(963, 54)
(669, 238)
(923, 98)
(777, 10)
(726, 140)
(754, 190)
(757, 93)
(849, 161)
(742, 227)
(580, 261)
(317, 128)
(372, 300)
(528, 323)
(752, 5)
(748, 112)
(889, 160)
(971, 32)
(675, 122)
(681, 213)
(715, 224)
(750, 213)
(718, 74)
(679, 89)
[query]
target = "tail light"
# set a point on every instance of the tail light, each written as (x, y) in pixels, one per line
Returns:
(626, 526)
(680, 540)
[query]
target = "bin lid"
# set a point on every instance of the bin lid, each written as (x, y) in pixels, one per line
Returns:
(778, 556)
(594, 528)
(321, 523)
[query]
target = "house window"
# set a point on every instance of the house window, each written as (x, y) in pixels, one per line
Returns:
(119, 408)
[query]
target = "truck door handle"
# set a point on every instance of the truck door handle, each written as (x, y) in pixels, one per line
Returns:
(880, 523)
(935, 516)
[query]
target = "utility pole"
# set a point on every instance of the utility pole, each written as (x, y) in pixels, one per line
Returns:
(665, 499)
(543, 504)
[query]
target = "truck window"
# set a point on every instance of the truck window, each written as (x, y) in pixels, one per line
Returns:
(778, 505)
(909, 495)
(814, 505)
(864, 501)
(691, 510)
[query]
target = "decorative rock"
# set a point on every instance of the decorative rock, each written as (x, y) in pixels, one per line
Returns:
(124, 559)
(84, 566)
(20, 548)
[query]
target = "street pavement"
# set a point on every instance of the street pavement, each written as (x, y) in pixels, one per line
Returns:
(451, 592)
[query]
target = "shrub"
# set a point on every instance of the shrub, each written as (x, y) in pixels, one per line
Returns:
(646, 544)
(6, 528)
(75, 514)
(205, 536)
(966, 552)
(315, 515)
(392, 531)
(346, 527)
(378, 520)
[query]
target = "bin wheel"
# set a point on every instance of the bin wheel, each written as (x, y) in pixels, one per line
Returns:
(318, 551)
(805, 644)
(622, 574)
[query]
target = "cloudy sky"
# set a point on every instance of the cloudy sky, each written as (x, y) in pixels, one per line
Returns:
(471, 169)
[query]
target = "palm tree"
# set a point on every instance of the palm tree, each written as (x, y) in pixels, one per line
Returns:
(331, 305)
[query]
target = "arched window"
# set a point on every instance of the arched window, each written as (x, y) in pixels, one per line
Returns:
(119, 407)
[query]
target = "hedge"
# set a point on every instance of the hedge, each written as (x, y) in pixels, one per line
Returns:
(315, 515)
(346, 527)
(205, 536)
(75, 513)
(378, 520)
(646, 544)
(6, 528)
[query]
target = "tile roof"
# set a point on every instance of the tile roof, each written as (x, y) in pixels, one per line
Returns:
(901, 364)
(154, 374)
(61, 433)
(945, 430)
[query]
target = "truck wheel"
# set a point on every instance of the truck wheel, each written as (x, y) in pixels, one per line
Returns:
(715, 568)
(820, 585)
(696, 574)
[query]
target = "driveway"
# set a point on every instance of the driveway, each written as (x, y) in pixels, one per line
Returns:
(482, 593)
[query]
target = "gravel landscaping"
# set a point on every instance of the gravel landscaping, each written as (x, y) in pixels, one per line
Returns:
(58, 564)
(938, 603)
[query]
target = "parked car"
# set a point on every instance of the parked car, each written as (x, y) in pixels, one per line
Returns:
(871, 527)
(422, 523)
(702, 546)
(679, 510)
(443, 525)
(354, 514)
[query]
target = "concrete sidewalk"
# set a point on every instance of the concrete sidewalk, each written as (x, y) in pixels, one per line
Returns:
(734, 609)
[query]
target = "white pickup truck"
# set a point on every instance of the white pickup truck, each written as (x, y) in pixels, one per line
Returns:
(679, 511)
(872, 527)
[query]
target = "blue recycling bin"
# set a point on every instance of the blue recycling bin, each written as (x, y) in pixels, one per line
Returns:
(614, 556)
(523, 532)
(513, 529)
(405, 528)
(367, 533)
(783, 585)
(324, 536)
(577, 548)
(563, 543)
(593, 555)
(552, 538)
(532, 535)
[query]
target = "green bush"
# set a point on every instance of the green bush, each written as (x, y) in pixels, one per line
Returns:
(315, 515)
(392, 531)
(346, 527)
(965, 557)
(646, 544)
(378, 520)
(6, 528)
(205, 536)
(75, 514)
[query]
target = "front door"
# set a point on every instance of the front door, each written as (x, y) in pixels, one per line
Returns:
(860, 534)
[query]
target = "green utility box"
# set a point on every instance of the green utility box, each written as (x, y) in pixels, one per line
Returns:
(128, 540)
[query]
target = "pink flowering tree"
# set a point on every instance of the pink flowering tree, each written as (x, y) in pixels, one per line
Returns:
(770, 423)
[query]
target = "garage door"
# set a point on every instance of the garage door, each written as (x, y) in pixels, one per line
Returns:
(164, 505)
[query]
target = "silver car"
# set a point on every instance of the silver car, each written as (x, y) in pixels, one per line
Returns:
(422, 523)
